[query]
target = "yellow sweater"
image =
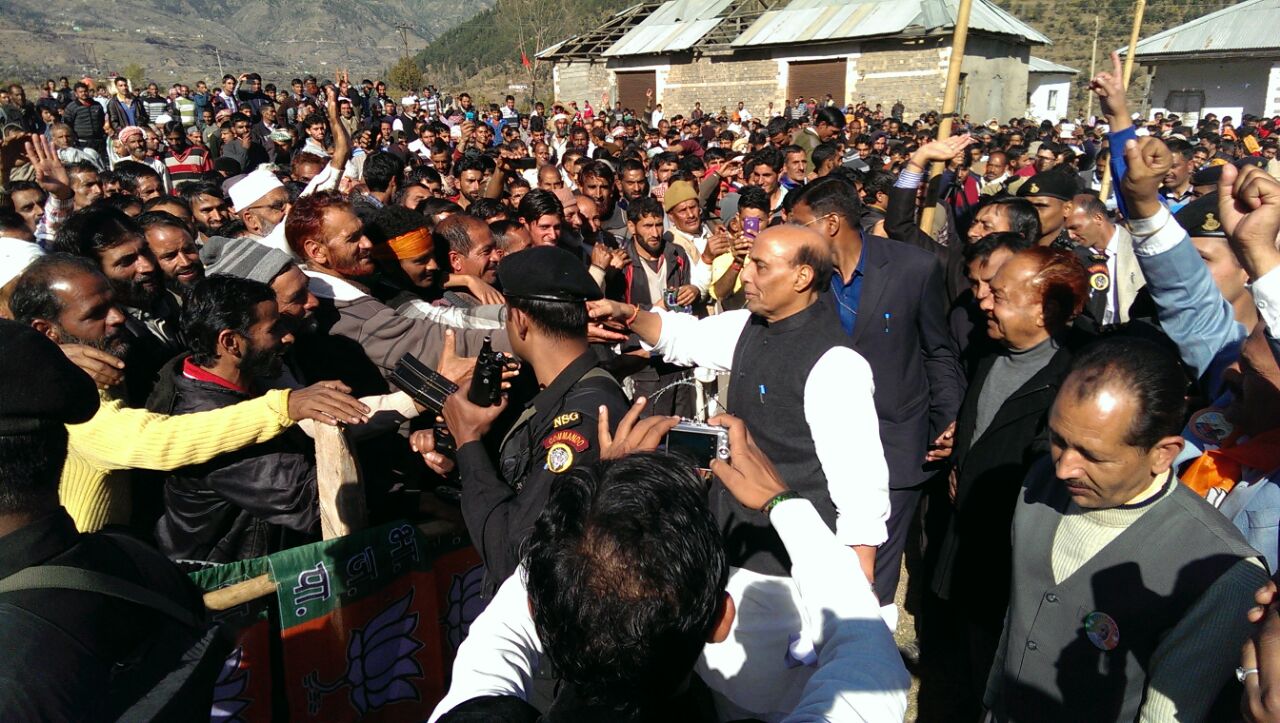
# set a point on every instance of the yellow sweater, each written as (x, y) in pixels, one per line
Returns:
(100, 453)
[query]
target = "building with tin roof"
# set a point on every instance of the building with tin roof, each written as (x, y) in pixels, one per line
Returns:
(764, 52)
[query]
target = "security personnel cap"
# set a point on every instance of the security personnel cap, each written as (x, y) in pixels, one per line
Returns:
(1207, 176)
(1200, 217)
(547, 273)
(1050, 184)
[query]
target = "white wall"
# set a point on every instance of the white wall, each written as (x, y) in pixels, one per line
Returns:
(1231, 88)
(1049, 96)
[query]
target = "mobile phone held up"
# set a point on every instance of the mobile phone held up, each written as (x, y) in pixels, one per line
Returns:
(751, 226)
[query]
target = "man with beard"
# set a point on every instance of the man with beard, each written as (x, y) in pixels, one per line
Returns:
(409, 259)
(657, 264)
(262, 498)
(68, 299)
(260, 201)
(175, 251)
(116, 242)
(470, 172)
(323, 230)
(472, 253)
(208, 208)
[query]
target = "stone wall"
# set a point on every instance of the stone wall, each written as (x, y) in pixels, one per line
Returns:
(995, 79)
(914, 72)
(720, 81)
(581, 80)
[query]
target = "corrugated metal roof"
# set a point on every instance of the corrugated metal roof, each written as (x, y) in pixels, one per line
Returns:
(675, 26)
(1250, 25)
(1040, 65)
(817, 20)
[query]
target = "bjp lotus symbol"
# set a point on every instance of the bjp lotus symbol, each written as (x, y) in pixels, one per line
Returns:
(379, 662)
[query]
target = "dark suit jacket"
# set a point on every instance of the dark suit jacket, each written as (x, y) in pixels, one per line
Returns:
(900, 224)
(975, 556)
(902, 333)
(119, 119)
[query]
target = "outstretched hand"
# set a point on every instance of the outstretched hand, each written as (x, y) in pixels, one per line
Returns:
(940, 151)
(1109, 87)
(50, 173)
(748, 475)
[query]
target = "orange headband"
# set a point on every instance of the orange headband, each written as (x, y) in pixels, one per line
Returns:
(410, 245)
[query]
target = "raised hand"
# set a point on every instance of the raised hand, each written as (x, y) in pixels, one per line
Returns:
(50, 173)
(1109, 87)
(939, 151)
(1249, 206)
(468, 422)
(1149, 160)
(106, 370)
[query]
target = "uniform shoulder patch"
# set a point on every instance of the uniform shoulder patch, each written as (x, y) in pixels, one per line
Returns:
(568, 419)
(561, 447)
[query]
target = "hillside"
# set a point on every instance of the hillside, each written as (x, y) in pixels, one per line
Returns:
(483, 53)
(184, 40)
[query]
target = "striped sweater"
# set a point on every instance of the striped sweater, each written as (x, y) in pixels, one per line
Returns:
(100, 452)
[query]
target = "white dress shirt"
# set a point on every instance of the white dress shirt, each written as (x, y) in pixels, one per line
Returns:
(858, 675)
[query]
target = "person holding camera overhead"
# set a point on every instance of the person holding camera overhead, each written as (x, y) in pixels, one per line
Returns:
(546, 289)
(806, 396)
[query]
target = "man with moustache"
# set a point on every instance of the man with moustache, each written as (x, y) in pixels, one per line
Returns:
(209, 210)
(175, 251)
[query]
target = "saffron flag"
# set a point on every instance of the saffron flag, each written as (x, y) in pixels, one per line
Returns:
(368, 625)
(524, 59)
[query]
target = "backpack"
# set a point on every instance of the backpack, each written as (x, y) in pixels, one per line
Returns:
(182, 690)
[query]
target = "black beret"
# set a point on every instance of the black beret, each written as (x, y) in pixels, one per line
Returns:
(39, 386)
(1200, 217)
(1051, 184)
(547, 273)
(1207, 176)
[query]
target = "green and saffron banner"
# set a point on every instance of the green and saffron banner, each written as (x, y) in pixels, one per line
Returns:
(365, 627)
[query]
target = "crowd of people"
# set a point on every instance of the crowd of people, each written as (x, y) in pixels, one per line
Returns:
(1037, 361)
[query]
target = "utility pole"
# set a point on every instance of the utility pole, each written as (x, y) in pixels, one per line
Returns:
(218, 53)
(1093, 64)
(404, 37)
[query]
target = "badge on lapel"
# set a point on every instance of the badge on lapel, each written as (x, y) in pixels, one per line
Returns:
(1102, 630)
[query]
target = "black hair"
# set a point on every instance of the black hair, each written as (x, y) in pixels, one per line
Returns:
(1141, 368)
(33, 296)
(486, 208)
(599, 169)
(824, 152)
(876, 182)
(992, 242)
(81, 167)
(434, 206)
(831, 116)
(559, 319)
(626, 575)
(129, 173)
(768, 156)
(380, 169)
(218, 303)
(11, 224)
(833, 195)
(754, 197)
(30, 469)
(1180, 148)
(1022, 216)
(472, 161)
(391, 222)
(161, 219)
(777, 125)
(423, 175)
(191, 190)
(643, 206)
(90, 231)
(538, 203)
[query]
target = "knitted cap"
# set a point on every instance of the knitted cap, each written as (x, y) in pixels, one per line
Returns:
(243, 258)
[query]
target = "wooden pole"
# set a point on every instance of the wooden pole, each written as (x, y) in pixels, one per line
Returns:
(1129, 57)
(949, 96)
(239, 593)
(342, 508)
(1093, 64)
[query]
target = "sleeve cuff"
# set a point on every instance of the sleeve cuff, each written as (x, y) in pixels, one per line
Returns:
(1155, 235)
(1266, 296)
(277, 401)
(908, 179)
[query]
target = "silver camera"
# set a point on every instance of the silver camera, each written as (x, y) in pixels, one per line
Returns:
(700, 443)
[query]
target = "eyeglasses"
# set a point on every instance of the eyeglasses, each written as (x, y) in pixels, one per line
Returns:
(819, 218)
(277, 206)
